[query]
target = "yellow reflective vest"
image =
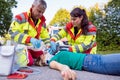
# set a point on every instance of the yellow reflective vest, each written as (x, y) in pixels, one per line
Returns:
(81, 42)
(22, 29)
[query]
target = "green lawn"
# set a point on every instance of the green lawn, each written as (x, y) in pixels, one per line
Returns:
(108, 52)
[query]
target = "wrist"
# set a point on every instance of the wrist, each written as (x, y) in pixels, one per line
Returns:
(53, 40)
(65, 68)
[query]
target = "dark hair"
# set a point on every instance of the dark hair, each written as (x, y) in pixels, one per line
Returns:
(38, 62)
(77, 12)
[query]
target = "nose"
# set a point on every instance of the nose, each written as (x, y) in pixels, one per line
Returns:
(40, 14)
(72, 21)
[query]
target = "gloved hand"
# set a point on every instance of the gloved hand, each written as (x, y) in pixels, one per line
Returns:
(35, 42)
(53, 46)
(50, 51)
(53, 51)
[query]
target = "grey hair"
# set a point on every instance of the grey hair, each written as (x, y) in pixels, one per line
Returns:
(42, 2)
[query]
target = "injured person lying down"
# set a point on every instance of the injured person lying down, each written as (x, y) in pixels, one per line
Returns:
(66, 62)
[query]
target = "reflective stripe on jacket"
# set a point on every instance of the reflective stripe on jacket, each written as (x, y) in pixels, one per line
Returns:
(22, 29)
(80, 42)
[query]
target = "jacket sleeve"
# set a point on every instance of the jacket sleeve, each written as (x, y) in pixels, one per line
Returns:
(61, 34)
(44, 35)
(17, 35)
(89, 41)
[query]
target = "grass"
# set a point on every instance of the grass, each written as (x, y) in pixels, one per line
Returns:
(108, 52)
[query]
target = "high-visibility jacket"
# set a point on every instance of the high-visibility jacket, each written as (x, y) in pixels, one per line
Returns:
(22, 29)
(81, 42)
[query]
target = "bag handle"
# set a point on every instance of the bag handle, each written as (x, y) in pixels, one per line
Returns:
(7, 50)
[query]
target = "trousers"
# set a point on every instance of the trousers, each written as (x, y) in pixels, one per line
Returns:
(104, 64)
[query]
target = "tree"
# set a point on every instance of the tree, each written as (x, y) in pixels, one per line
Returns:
(61, 17)
(108, 26)
(112, 19)
(6, 15)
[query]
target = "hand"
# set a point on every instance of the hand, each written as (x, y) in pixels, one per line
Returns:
(53, 46)
(35, 42)
(68, 74)
(51, 51)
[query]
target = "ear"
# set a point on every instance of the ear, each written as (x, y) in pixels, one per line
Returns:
(32, 6)
(81, 17)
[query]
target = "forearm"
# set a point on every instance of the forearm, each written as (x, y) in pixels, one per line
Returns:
(16, 32)
(61, 34)
(58, 66)
(66, 72)
(44, 36)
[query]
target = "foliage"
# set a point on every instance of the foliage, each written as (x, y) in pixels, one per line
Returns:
(6, 15)
(61, 17)
(108, 25)
(94, 13)
(108, 52)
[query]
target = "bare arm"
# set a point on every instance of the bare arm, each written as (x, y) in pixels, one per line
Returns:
(66, 72)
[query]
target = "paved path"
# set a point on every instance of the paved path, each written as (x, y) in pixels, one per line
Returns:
(49, 74)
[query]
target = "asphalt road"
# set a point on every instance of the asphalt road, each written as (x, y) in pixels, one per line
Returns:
(45, 73)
